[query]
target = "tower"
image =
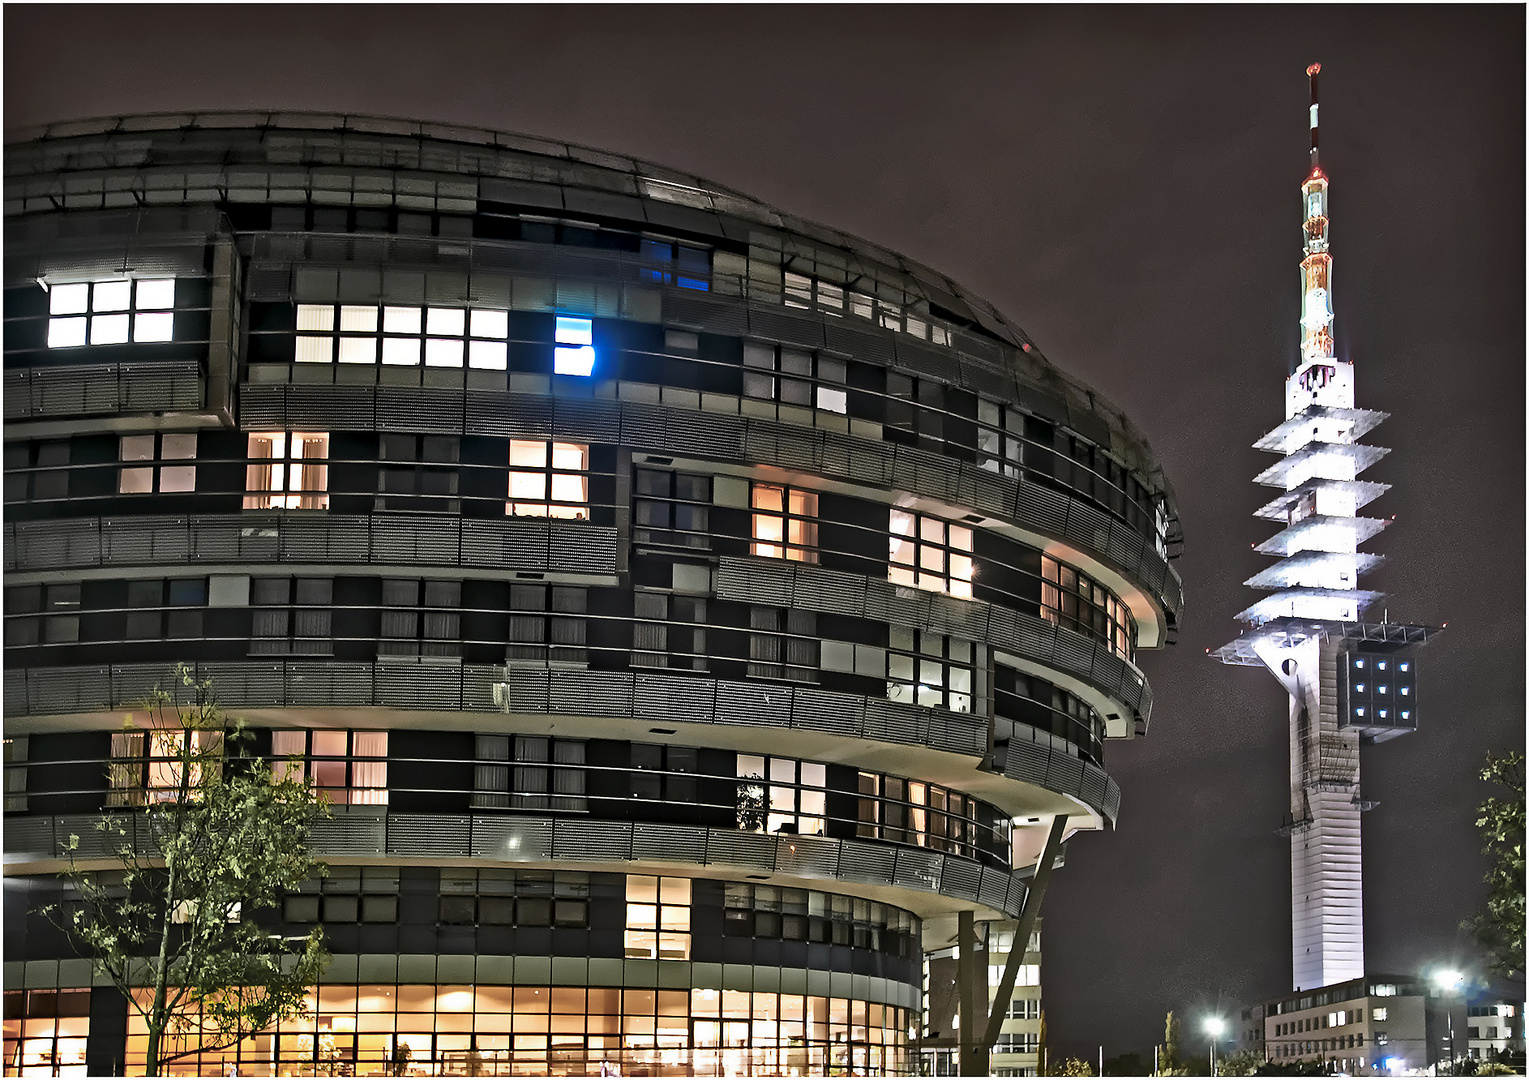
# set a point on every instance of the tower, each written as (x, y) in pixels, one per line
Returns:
(1350, 682)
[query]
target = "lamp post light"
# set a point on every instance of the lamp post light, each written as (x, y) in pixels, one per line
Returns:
(1214, 1026)
(1448, 982)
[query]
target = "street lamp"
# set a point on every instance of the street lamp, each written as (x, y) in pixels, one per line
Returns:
(1448, 981)
(1214, 1026)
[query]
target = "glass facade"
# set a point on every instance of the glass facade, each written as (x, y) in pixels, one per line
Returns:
(617, 567)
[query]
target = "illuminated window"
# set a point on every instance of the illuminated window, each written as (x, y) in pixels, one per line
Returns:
(785, 522)
(929, 553)
(548, 480)
(1074, 601)
(929, 669)
(678, 264)
(911, 812)
(111, 313)
(136, 479)
(350, 767)
(46, 1032)
(574, 353)
(778, 373)
(287, 471)
(781, 795)
(658, 917)
(402, 336)
(148, 766)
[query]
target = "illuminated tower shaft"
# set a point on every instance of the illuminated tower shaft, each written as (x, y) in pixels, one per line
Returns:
(1308, 633)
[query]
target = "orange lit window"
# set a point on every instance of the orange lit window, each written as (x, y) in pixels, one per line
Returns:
(929, 553)
(785, 522)
(348, 766)
(287, 471)
(548, 480)
(147, 766)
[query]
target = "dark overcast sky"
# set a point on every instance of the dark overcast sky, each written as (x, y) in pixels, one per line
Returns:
(1123, 183)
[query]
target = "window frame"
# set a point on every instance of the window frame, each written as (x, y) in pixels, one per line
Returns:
(787, 530)
(546, 478)
(364, 781)
(286, 478)
(143, 320)
(954, 546)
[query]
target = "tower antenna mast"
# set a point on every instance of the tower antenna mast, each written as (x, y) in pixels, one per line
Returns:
(1350, 682)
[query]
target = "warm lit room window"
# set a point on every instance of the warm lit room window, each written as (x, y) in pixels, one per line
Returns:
(287, 471)
(157, 452)
(548, 480)
(402, 335)
(1073, 601)
(148, 766)
(111, 312)
(929, 553)
(786, 797)
(658, 917)
(351, 767)
(785, 522)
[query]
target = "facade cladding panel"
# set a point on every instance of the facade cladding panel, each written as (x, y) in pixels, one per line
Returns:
(424, 442)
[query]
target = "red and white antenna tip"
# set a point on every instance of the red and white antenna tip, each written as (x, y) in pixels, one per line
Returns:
(1314, 69)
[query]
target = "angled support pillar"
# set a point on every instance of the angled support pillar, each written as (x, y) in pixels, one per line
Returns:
(968, 974)
(1021, 945)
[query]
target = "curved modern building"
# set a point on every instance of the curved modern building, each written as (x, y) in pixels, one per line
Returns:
(689, 610)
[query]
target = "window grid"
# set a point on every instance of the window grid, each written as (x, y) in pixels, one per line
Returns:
(905, 811)
(1072, 600)
(347, 767)
(794, 377)
(672, 508)
(420, 618)
(148, 766)
(929, 553)
(783, 644)
(403, 336)
(929, 669)
(548, 479)
(287, 471)
(539, 634)
(292, 616)
(657, 917)
(111, 312)
(482, 1029)
(418, 472)
(156, 476)
(781, 795)
(785, 522)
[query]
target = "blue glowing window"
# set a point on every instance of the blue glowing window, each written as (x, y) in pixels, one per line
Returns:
(1359, 687)
(694, 264)
(1359, 711)
(572, 331)
(1383, 714)
(1406, 715)
(1405, 691)
(1381, 665)
(575, 351)
(1359, 663)
(1406, 667)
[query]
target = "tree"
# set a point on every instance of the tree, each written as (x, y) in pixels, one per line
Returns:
(1168, 1063)
(1130, 1064)
(1076, 1066)
(1240, 1063)
(196, 837)
(1500, 929)
(1040, 1049)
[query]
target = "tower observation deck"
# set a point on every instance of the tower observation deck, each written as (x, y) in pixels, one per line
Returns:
(1350, 681)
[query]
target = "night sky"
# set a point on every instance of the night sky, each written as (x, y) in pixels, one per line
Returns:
(1124, 184)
